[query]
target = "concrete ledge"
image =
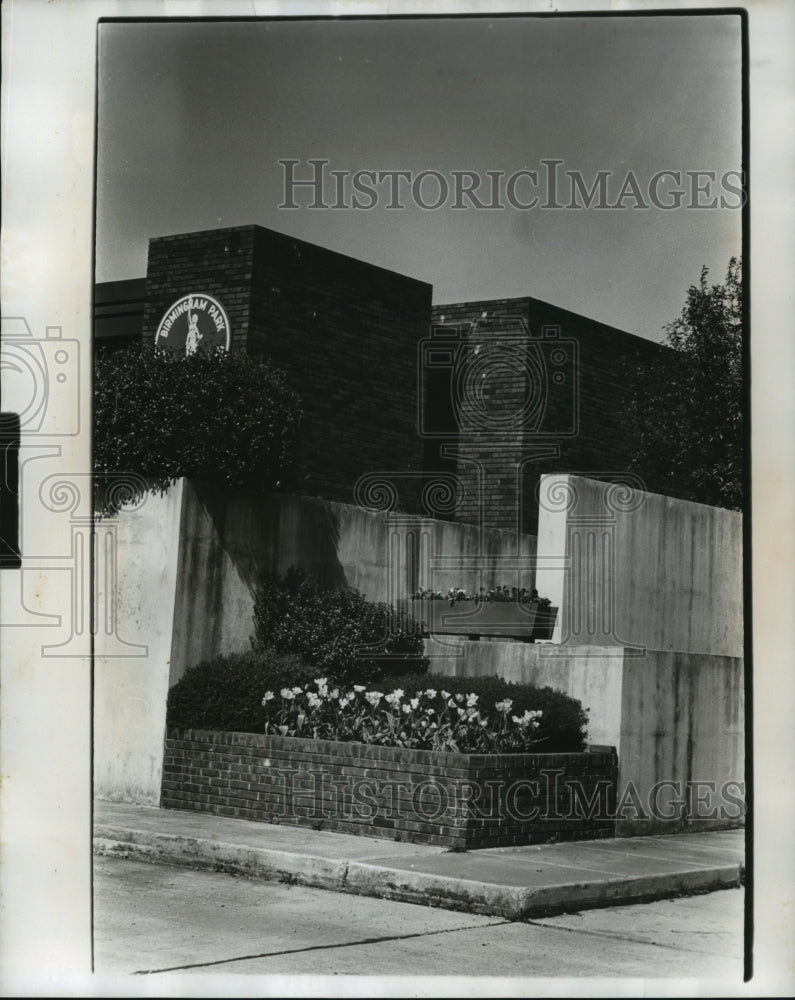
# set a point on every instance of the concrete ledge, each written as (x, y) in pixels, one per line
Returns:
(516, 884)
(255, 862)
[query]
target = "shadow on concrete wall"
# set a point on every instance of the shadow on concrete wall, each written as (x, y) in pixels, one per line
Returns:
(263, 535)
(230, 540)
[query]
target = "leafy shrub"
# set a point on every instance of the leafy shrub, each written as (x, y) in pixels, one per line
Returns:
(563, 722)
(226, 693)
(427, 719)
(337, 632)
(225, 417)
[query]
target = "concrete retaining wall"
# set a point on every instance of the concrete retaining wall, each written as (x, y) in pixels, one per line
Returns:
(591, 675)
(189, 564)
(130, 690)
(187, 570)
(642, 569)
(228, 539)
(673, 718)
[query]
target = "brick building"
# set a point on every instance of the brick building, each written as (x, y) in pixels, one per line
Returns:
(488, 394)
(536, 389)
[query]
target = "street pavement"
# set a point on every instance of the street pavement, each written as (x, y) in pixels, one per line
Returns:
(161, 923)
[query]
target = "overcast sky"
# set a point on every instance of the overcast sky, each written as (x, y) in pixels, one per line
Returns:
(194, 117)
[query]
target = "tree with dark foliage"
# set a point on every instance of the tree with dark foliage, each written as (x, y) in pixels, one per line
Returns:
(687, 405)
(228, 418)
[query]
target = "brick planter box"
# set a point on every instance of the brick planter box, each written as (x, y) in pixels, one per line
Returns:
(419, 796)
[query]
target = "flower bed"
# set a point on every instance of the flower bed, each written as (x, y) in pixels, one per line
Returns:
(425, 718)
(429, 765)
(456, 800)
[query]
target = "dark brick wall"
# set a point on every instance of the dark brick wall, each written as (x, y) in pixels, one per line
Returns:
(345, 332)
(218, 262)
(584, 419)
(118, 313)
(400, 794)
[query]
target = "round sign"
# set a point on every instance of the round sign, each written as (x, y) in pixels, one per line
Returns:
(194, 322)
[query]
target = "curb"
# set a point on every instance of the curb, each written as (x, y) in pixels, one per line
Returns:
(422, 888)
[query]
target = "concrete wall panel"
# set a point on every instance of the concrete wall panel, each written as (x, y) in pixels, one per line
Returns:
(591, 675)
(644, 569)
(683, 722)
(130, 691)
(673, 717)
(190, 563)
(228, 540)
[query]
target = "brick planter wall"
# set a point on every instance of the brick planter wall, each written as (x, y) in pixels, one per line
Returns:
(419, 796)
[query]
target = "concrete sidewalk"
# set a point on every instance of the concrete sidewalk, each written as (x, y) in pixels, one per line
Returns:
(511, 882)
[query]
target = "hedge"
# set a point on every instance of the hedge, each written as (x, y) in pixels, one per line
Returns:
(338, 632)
(226, 693)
